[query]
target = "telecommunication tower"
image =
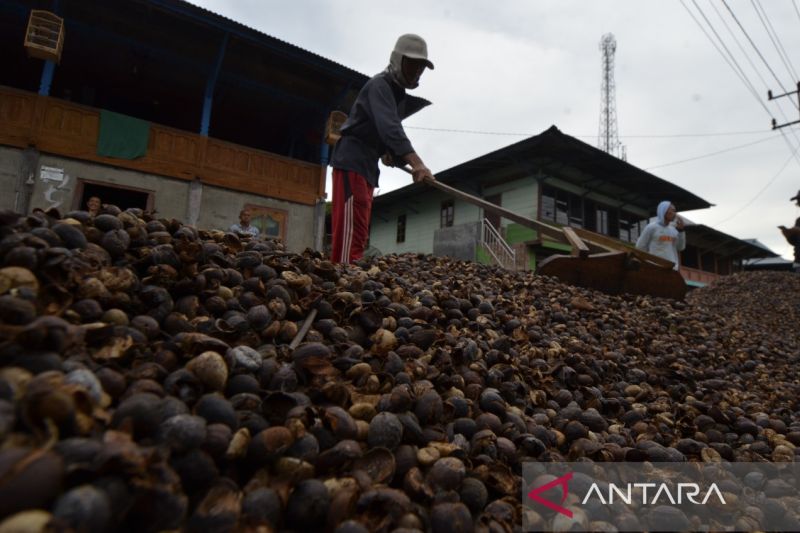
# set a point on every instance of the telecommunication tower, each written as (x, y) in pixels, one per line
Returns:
(608, 139)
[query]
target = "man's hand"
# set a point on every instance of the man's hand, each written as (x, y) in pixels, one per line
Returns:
(420, 173)
(679, 223)
(387, 159)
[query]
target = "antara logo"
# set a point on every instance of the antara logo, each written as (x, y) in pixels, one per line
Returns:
(689, 490)
(660, 494)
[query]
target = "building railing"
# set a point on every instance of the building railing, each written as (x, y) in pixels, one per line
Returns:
(497, 247)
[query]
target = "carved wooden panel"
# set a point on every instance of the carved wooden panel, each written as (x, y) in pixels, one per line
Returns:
(79, 126)
(168, 144)
(16, 117)
(267, 174)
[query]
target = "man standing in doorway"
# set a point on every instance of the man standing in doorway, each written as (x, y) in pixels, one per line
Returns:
(373, 131)
(93, 205)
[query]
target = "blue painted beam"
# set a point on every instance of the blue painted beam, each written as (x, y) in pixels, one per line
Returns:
(49, 68)
(324, 154)
(47, 77)
(205, 121)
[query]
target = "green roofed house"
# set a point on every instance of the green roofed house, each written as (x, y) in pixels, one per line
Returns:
(550, 177)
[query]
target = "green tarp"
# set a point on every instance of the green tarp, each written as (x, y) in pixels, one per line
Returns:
(122, 136)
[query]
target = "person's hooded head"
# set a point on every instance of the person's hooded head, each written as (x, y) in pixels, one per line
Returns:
(661, 212)
(408, 59)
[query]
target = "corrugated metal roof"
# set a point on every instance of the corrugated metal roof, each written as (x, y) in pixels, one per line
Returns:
(203, 14)
(709, 239)
(598, 171)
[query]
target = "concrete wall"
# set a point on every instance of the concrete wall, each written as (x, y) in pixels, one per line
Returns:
(520, 196)
(221, 209)
(11, 171)
(211, 207)
(458, 242)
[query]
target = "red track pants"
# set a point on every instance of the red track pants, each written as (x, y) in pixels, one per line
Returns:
(352, 207)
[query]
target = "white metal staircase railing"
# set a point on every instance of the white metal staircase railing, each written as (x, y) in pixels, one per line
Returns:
(497, 247)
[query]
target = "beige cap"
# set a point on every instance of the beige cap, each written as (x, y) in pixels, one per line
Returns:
(414, 47)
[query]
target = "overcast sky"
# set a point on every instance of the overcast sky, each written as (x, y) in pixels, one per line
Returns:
(513, 68)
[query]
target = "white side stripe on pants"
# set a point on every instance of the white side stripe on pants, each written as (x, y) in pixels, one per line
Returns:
(347, 241)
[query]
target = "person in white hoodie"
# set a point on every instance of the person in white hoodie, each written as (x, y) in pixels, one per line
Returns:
(664, 236)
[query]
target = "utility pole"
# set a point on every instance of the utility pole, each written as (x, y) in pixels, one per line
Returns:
(775, 125)
(608, 139)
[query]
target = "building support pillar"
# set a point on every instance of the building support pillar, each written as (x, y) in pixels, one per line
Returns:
(195, 202)
(319, 225)
(211, 84)
(26, 179)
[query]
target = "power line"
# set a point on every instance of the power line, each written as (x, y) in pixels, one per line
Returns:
(787, 61)
(740, 72)
(764, 188)
(758, 73)
(744, 52)
(796, 9)
(735, 18)
(714, 153)
(736, 69)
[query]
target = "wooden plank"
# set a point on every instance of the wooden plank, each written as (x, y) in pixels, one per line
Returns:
(615, 273)
(579, 247)
(551, 231)
(608, 242)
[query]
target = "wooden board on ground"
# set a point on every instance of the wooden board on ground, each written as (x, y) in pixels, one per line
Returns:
(615, 273)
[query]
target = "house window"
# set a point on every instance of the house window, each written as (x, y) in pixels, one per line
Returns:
(689, 257)
(629, 226)
(708, 262)
(269, 221)
(548, 204)
(446, 217)
(613, 223)
(589, 217)
(575, 211)
(572, 209)
(601, 221)
(562, 207)
(401, 228)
